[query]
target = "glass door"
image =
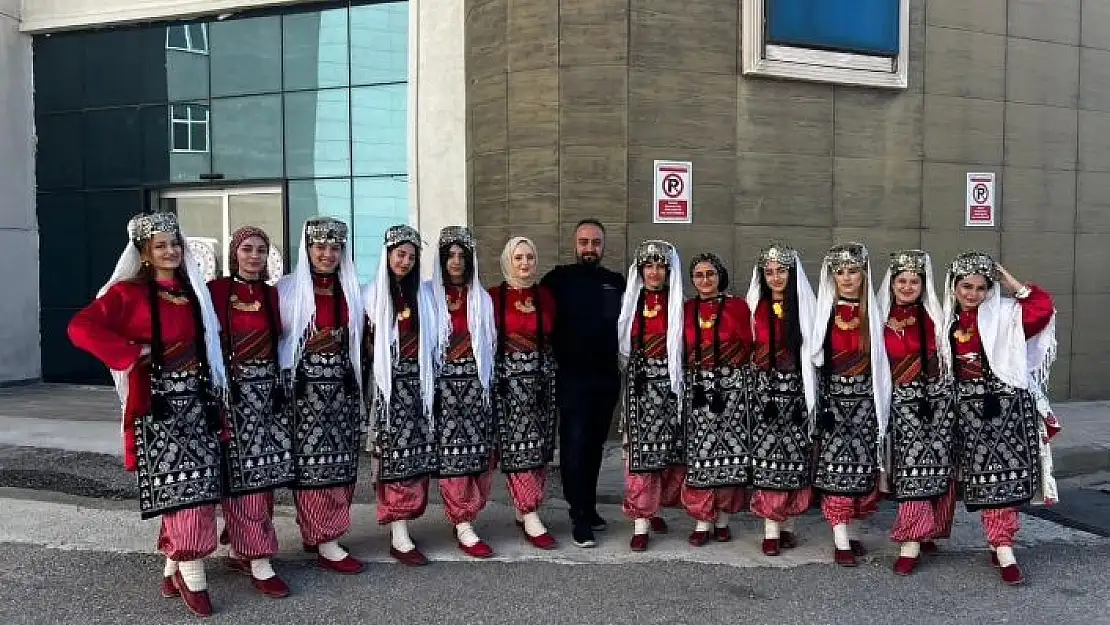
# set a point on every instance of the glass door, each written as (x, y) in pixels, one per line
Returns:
(209, 216)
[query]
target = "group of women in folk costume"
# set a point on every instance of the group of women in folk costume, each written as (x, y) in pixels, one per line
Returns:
(233, 389)
(785, 399)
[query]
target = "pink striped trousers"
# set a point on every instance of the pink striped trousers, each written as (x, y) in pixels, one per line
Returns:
(323, 514)
(527, 489)
(704, 504)
(919, 521)
(464, 497)
(250, 524)
(840, 509)
(780, 505)
(188, 534)
(646, 493)
(404, 500)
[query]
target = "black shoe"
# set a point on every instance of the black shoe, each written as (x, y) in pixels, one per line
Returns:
(597, 523)
(583, 536)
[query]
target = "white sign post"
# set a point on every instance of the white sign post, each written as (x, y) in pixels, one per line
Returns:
(981, 200)
(673, 182)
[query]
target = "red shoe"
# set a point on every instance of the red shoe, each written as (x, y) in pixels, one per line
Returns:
(544, 541)
(639, 542)
(904, 566)
(771, 546)
(929, 548)
(169, 590)
(412, 557)
(699, 539)
(857, 547)
(275, 587)
(994, 560)
(197, 602)
(346, 566)
(658, 525)
(478, 550)
(1012, 574)
(788, 540)
(722, 534)
(845, 557)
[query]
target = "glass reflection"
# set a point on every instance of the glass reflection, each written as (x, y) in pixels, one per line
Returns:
(379, 43)
(315, 50)
(379, 129)
(246, 56)
(317, 134)
(246, 137)
(378, 204)
(310, 198)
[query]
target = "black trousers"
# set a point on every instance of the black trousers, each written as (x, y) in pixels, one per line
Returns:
(586, 405)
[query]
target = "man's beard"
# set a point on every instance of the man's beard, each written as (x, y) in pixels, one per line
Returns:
(589, 259)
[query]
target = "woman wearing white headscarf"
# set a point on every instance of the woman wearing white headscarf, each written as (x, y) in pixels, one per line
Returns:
(154, 326)
(463, 407)
(855, 394)
(1003, 350)
(403, 335)
(650, 343)
(321, 350)
(782, 305)
(525, 385)
(920, 440)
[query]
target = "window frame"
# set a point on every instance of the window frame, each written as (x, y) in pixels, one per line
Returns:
(187, 30)
(189, 121)
(760, 58)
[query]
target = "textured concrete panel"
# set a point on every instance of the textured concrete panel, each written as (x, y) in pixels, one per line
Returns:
(1092, 324)
(1037, 200)
(487, 117)
(1042, 257)
(944, 245)
(1092, 253)
(877, 193)
(533, 34)
(533, 185)
(784, 117)
(964, 63)
(1093, 202)
(963, 130)
(489, 183)
(1042, 73)
(1094, 82)
(714, 183)
(1094, 140)
(485, 34)
(533, 108)
(944, 192)
(593, 106)
(916, 78)
(594, 86)
(878, 124)
(1047, 20)
(593, 32)
(593, 182)
(1096, 24)
(686, 36)
(1040, 136)
(1088, 377)
(783, 189)
(983, 16)
(681, 109)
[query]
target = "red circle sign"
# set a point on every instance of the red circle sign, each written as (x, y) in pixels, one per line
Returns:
(673, 185)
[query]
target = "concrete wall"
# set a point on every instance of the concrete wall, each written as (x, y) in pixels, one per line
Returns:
(19, 242)
(569, 101)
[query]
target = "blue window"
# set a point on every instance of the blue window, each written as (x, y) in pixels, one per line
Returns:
(860, 26)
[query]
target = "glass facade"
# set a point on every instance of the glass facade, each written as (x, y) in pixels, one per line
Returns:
(311, 98)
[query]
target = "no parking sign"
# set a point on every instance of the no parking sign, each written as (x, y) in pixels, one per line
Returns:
(672, 204)
(980, 200)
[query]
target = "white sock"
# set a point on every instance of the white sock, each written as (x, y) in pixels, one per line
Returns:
(261, 569)
(171, 568)
(641, 526)
(722, 520)
(910, 549)
(332, 551)
(193, 574)
(1005, 556)
(401, 540)
(840, 537)
(703, 526)
(467, 536)
(771, 529)
(533, 526)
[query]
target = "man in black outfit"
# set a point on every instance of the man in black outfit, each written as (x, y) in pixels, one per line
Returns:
(588, 301)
